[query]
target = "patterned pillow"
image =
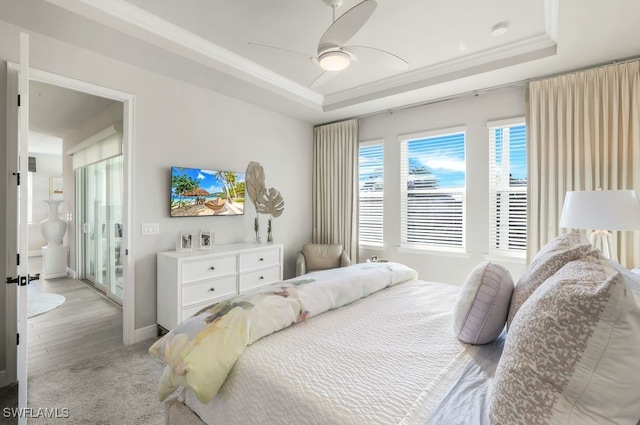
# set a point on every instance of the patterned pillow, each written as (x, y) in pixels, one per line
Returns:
(572, 355)
(481, 310)
(555, 254)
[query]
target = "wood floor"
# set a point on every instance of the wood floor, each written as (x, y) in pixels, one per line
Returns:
(86, 324)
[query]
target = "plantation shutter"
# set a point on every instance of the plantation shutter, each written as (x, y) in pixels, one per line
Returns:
(507, 187)
(432, 188)
(371, 199)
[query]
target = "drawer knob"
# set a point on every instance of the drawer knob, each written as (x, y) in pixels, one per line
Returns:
(212, 289)
(262, 259)
(212, 268)
(261, 277)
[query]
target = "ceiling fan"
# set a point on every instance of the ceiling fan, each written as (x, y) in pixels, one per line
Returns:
(334, 55)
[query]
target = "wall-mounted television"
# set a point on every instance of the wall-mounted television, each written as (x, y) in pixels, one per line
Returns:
(196, 192)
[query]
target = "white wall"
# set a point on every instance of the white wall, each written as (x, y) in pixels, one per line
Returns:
(473, 112)
(46, 166)
(180, 124)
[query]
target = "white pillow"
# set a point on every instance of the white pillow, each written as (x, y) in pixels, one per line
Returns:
(480, 313)
(572, 354)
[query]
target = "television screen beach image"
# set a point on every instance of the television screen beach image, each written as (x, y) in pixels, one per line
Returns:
(199, 192)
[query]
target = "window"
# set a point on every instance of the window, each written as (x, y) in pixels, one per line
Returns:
(370, 170)
(508, 187)
(432, 188)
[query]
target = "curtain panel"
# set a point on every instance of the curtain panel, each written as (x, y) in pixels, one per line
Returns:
(335, 185)
(583, 134)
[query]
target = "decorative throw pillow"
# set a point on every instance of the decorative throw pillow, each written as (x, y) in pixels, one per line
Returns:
(555, 254)
(481, 310)
(572, 355)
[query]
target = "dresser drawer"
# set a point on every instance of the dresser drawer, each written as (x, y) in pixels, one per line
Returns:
(208, 268)
(193, 309)
(259, 259)
(208, 290)
(250, 280)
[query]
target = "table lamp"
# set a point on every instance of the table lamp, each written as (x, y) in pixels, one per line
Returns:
(602, 211)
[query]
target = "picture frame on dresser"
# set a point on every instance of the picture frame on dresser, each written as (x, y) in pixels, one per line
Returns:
(184, 242)
(205, 240)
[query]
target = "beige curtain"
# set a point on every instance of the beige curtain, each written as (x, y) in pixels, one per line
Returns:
(335, 185)
(583, 134)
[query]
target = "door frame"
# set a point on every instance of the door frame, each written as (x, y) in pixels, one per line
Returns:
(128, 100)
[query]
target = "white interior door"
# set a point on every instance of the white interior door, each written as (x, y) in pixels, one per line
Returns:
(17, 229)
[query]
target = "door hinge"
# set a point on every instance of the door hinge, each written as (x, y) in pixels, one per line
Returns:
(18, 176)
(18, 100)
(17, 339)
(17, 259)
(126, 252)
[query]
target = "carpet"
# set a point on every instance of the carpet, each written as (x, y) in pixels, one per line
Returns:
(119, 386)
(41, 302)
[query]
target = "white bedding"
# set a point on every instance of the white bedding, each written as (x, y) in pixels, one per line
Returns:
(385, 359)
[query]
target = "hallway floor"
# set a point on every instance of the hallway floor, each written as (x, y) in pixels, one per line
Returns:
(85, 325)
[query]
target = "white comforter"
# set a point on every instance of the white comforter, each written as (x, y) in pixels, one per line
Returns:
(385, 359)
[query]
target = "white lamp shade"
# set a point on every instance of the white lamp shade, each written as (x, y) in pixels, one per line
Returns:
(601, 210)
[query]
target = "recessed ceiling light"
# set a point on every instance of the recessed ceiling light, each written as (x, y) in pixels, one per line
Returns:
(500, 29)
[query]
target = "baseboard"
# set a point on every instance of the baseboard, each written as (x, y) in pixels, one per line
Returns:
(71, 273)
(145, 333)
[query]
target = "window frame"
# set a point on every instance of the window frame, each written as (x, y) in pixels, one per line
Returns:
(412, 247)
(371, 244)
(504, 251)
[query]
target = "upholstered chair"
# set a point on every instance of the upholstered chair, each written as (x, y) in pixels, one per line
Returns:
(314, 257)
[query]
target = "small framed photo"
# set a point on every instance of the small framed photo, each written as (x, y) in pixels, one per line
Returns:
(55, 188)
(205, 239)
(184, 242)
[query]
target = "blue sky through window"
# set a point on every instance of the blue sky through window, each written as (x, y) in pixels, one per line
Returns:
(444, 157)
(517, 151)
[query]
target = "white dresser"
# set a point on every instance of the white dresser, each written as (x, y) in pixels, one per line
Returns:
(190, 281)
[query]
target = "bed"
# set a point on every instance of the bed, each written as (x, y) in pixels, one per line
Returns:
(389, 352)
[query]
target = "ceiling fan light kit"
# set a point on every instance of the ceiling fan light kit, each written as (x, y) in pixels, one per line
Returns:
(334, 60)
(333, 53)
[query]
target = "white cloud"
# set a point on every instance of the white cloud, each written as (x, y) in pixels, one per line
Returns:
(444, 162)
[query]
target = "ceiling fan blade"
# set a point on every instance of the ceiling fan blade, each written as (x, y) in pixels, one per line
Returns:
(347, 25)
(322, 78)
(379, 57)
(279, 50)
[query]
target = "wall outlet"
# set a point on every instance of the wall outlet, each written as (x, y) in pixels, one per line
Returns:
(150, 229)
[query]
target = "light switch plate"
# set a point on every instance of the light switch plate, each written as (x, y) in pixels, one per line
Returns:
(150, 229)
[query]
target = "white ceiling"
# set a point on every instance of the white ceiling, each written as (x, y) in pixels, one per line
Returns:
(56, 112)
(448, 45)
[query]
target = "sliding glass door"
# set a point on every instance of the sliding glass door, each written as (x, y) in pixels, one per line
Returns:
(100, 193)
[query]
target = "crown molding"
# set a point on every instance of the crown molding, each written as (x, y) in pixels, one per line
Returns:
(511, 54)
